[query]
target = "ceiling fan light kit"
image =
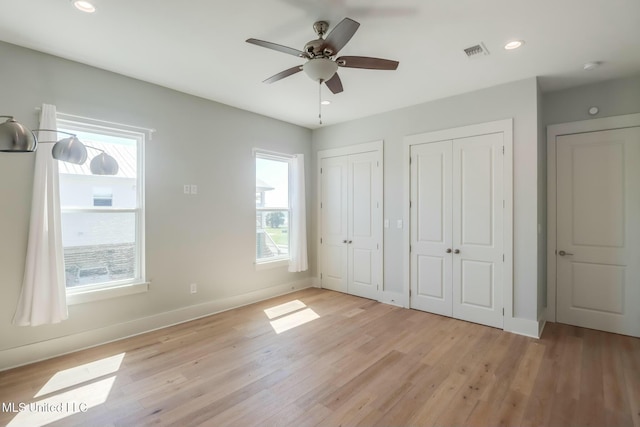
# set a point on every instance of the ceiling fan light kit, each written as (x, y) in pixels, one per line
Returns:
(320, 69)
(322, 65)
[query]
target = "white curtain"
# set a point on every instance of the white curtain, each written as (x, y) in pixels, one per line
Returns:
(298, 227)
(43, 297)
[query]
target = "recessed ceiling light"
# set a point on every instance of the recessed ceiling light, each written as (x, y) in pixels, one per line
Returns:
(513, 44)
(84, 6)
(326, 102)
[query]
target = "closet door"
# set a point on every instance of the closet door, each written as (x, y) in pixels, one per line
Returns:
(363, 214)
(478, 229)
(333, 208)
(431, 228)
(457, 215)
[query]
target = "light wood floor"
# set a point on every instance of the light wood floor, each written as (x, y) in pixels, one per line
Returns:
(358, 363)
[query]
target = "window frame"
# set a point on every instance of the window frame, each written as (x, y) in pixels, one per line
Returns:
(85, 293)
(283, 260)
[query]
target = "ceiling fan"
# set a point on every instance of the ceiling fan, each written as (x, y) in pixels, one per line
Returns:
(322, 65)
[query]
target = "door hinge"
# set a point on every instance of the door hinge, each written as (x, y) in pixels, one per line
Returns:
(410, 204)
(409, 292)
(503, 311)
(377, 245)
(409, 248)
(321, 240)
(320, 205)
(377, 287)
(321, 171)
(409, 160)
(503, 149)
(320, 276)
(502, 257)
(377, 164)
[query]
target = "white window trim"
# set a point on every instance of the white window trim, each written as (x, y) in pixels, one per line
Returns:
(280, 261)
(138, 284)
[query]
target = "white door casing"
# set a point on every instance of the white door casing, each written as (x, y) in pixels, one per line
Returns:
(598, 230)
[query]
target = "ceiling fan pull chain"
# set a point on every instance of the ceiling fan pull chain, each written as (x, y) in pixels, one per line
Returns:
(320, 101)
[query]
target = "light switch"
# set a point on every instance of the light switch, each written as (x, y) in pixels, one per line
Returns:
(187, 189)
(399, 223)
(194, 189)
(386, 223)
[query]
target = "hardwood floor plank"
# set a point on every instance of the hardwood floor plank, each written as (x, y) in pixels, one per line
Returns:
(358, 363)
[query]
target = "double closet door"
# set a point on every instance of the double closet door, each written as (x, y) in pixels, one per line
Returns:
(350, 223)
(457, 214)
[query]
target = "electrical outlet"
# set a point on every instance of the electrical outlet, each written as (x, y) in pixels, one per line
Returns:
(399, 223)
(386, 223)
(187, 189)
(194, 189)
(194, 288)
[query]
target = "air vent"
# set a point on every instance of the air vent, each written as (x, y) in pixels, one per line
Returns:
(476, 51)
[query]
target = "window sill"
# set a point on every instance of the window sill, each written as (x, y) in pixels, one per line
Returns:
(267, 265)
(74, 298)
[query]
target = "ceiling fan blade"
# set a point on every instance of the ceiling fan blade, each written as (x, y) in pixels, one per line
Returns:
(283, 74)
(278, 47)
(367, 62)
(334, 84)
(341, 34)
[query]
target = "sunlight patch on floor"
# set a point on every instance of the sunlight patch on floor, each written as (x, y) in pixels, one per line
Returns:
(62, 405)
(70, 391)
(81, 374)
(293, 320)
(286, 308)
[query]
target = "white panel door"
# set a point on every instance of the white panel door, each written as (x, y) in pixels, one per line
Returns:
(431, 228)
(363, 215)
(598, 234)
(335, 234)
(478, 229)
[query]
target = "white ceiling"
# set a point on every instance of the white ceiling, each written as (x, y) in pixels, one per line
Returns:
(198, 47)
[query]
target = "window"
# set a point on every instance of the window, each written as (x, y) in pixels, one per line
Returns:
(103, 215)
(273, 208)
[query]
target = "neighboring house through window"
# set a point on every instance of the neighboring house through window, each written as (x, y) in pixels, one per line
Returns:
(103, 215)
(273, 207)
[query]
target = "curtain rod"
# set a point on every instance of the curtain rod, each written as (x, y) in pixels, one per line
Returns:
(65, 116)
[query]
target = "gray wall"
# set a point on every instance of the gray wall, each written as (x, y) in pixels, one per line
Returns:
(612, 97)
(542, 206)
(516, 100)
(208, 239)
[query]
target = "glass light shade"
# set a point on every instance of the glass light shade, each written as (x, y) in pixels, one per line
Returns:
(16, 138)
(104, 164)
(70, 150)
(320, 69)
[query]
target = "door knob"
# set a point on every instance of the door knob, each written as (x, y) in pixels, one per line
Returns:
(448, 250)
(456, 251)
(344, 241)
(563, 253)
(350, 241)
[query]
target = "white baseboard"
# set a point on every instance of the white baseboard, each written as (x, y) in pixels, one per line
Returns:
(393, 298)
(30, 353)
